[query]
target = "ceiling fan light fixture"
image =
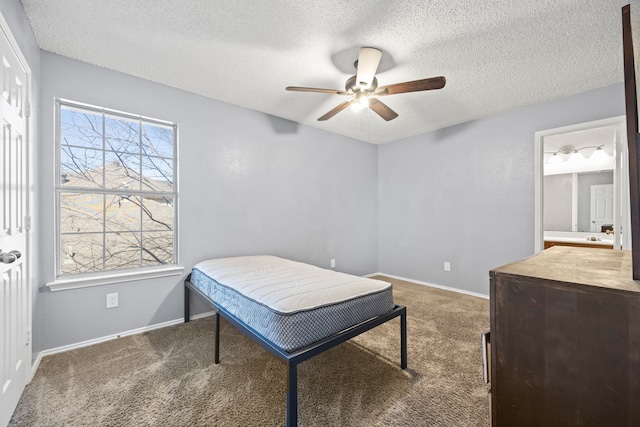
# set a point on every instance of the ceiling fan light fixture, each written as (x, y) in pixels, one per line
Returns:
(361, 101)
(356, 106)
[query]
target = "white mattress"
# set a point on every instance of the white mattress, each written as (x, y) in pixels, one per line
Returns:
(287, 286)
(289, 303)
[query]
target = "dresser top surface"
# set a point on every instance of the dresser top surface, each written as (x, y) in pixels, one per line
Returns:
(588, 266)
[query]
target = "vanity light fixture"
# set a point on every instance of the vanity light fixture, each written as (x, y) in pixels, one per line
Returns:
(568, 153)
(599, 155)
(555, 159)
(576, 158)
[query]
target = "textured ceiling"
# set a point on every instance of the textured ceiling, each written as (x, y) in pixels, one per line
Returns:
(497, 55)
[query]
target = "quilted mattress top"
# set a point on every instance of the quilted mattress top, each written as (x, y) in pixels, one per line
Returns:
(287, 286)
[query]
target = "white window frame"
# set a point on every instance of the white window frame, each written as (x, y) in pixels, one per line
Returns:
(80, 280)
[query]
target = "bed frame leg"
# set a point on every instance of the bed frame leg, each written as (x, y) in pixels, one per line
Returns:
(403, 340)
(292, 396)
(216, 358)
(187, 313)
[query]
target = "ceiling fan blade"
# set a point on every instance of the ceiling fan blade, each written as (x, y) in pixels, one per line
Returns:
(335, 110)
(314, 89)
(412, 86)
(368, 61)
(382, 109)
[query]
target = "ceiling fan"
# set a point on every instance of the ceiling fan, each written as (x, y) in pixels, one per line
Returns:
(364, 90)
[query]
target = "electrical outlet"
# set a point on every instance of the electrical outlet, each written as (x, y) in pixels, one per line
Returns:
(447, 266)
(333, 263)
(112, 300)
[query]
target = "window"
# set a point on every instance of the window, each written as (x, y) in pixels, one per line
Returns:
(115, 191)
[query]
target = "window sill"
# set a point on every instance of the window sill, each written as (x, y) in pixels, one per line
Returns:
(63, 284)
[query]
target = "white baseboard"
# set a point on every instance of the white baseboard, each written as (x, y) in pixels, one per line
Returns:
(201, 315)
(48, 352)
(34, 365)
(433, 285)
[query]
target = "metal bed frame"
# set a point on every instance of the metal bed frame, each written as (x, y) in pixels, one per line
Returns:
(294, 358)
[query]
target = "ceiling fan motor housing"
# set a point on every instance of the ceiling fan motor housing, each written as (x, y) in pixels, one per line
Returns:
(352, 85)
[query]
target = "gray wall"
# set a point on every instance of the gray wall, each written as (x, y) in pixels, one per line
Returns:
(585, 181)
(465, 194)
(248, 184)
(19, 25)
(558, 206)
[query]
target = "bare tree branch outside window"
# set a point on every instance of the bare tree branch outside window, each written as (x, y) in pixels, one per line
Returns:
(116, 191)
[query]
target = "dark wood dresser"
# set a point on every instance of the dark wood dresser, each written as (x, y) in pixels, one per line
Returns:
(565, 340)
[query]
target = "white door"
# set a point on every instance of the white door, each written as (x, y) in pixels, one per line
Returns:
(15, 317)
(601, 206)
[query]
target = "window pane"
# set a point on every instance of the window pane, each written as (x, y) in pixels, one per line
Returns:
(81, 253)
(122, 250)
(122, 170)
(81, 213)
(116, 191)
(158, 248)
(121, 134)
(157, 140)
(80, 128)
(157, 213)
(80, 167)
(123, 213)
(157, 174)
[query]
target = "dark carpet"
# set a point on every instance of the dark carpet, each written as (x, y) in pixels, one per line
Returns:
(167, 377)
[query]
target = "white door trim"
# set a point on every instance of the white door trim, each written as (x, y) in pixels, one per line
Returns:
(16, 49)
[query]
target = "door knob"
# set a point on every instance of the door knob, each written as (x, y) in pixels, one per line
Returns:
(9, 257)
